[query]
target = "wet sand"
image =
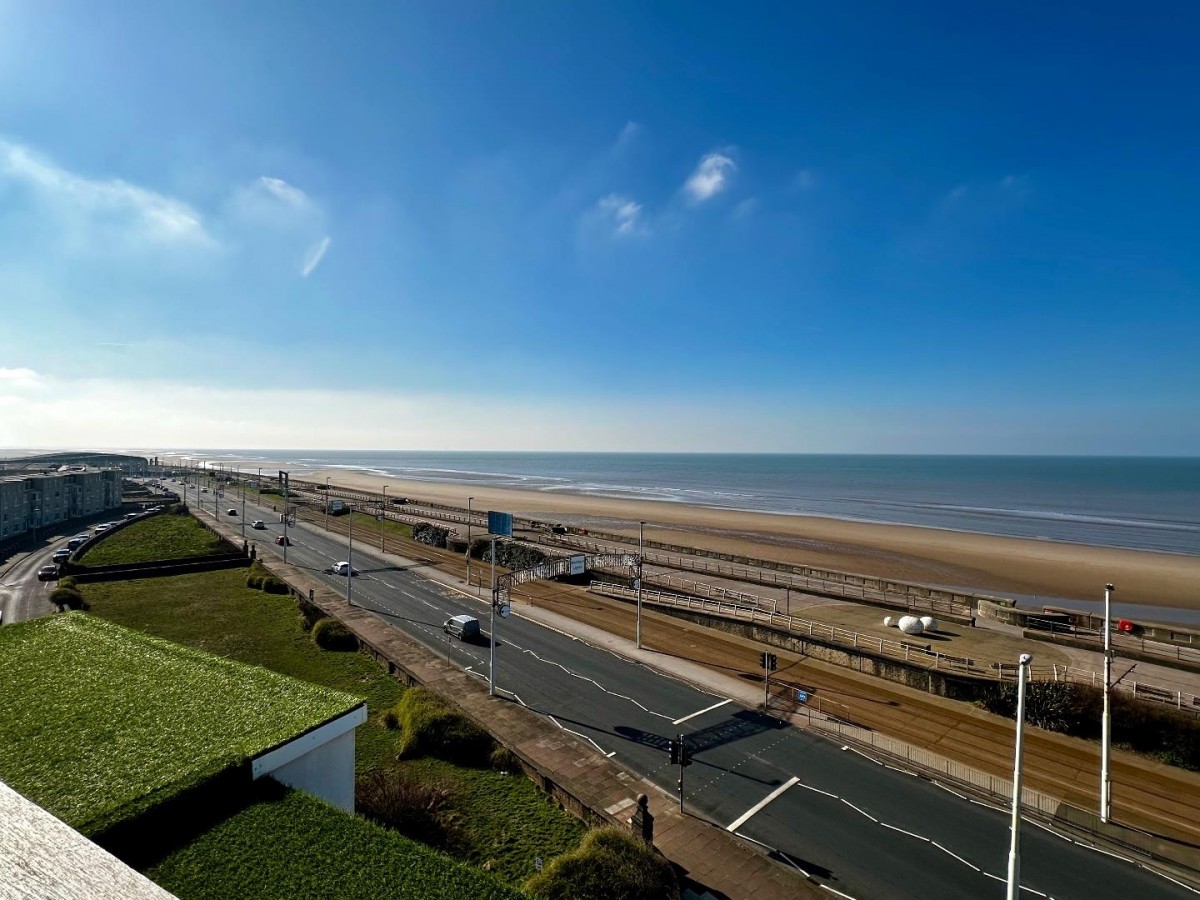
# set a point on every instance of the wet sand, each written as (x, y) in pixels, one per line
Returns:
(980, 562)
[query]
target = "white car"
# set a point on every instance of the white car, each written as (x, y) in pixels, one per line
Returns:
(259, 524)
(341, 568)
(103, 527)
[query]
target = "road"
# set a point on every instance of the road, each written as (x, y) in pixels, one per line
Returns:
(22, 596)
(863, 829)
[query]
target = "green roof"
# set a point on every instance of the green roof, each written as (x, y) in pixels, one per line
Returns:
(100, 722)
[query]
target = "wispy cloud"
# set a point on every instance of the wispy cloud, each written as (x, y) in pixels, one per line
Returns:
(313, 257)
(18, 377)
(287, 193)
(710, 177)
(623, 213)
(146, 214)
(628, 135)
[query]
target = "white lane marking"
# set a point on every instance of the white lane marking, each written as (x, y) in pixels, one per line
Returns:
(701, 712)
(760, 805)
(578, 734)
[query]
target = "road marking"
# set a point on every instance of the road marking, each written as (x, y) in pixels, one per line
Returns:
(702, 711)
(758, 807)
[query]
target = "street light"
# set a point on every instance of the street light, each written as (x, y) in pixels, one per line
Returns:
(350, 560)
(326, 502)
(641, 536)
(1014, 847)
(383, 521)
(469, 499)
(1106, 718)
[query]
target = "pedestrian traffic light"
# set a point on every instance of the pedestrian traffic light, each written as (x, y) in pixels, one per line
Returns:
(685, 754)
(675, 747)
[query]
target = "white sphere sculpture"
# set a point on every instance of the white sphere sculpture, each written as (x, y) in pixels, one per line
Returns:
(910, 625)
(887, 621)
(928, 623)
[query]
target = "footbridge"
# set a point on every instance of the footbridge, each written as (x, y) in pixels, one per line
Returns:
(562, 565)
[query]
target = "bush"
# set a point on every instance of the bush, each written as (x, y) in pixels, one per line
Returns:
(330, 634)
(67, 581)
(608, 865)
(412, 805)
(434, 535)
(510, 554)
(432, 728)
(68, 598)
(262, 579)
(504, 760)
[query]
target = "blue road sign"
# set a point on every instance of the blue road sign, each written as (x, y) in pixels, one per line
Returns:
(500, 523)
(801, 696)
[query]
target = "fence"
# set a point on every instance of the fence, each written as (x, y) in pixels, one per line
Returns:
(909, 652)
(840, 585)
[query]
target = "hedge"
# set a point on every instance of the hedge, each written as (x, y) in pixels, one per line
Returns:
(608, 865)
(431, 727)
(330, 634)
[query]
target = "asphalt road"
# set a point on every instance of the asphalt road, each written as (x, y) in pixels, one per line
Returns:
(863, 829)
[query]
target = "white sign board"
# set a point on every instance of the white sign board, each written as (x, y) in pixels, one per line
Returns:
(577, 566)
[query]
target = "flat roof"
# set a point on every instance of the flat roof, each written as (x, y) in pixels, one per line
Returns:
(41, 856)
(98, 718)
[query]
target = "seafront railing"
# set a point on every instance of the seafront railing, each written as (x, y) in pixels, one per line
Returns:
(910, 652)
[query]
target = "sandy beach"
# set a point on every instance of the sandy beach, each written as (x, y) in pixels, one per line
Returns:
(986, 563)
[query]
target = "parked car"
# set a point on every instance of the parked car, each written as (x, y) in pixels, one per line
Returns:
(259, 524)
(231, 511)
(283, 541)
(47, 573)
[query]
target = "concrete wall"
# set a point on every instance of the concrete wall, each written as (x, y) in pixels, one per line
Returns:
(320, 762)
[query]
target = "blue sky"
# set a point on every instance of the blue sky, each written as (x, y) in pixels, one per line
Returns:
(887, 227)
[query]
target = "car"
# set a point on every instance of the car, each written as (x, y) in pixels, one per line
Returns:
(103, 526)
(464, 628)
(61, 555)
(204, 490)
(231, 511)
(283, 541)
(47, 573)
(259, 524)
(76, 542)
(341, 568)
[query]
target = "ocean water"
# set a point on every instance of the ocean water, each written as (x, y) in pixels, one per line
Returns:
(1143, 503)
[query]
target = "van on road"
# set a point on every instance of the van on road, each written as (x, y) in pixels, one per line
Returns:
(465, 628)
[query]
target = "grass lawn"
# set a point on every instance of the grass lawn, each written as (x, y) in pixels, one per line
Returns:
(287, 845)
(497, 821)
(158, 537)
(101, 722)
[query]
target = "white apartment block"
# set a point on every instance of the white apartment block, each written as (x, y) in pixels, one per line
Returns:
(28, 502)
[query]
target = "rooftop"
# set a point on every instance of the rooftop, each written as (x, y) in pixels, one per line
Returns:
(102, 722)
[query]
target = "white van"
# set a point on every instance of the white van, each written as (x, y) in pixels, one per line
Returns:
(464, 628)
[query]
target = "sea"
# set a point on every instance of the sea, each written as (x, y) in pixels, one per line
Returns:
(1149, 503)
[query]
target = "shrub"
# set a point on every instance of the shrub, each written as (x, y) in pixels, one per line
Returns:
(609, 864)
(432, 728)
(68, 598)
(504, 760)
(330, 634)
(67, 581)
(262, 579)
(412, 805)
(434, 535)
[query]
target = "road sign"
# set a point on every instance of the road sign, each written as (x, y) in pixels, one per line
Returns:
(577, 565)
(504, 609)
(801, 696)
(500, 523)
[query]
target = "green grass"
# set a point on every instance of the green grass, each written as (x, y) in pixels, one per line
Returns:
(216, 612)
(101, 722)
(158, 537)
(287, 845)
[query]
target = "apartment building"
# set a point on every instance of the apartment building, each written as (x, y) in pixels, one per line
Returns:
(28, 502)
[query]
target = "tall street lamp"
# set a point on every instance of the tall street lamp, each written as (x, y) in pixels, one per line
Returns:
(1014, 847)
(326, 502)
(469, 499)
(1106, 719)
(383, 521)
(641, 539)
(350, 560)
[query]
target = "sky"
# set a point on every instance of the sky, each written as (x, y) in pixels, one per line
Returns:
(792, 227)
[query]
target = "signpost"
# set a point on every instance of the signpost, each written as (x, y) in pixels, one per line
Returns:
(499, 523)
(577, 565)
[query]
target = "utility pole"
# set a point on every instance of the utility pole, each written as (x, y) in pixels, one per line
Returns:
(1106, 720)
(383, 520)
(469, 499)
(641, 539)
(1014, 847)
(350, 561)
(326, 502)
(243, 512)
(283, 477)
(492, 633)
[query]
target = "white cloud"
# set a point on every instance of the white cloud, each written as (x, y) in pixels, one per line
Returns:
(313, 257)
(628, 135)
(711, 177)
(287, 193)
(625, 214)
(18, 378)
(144, 213)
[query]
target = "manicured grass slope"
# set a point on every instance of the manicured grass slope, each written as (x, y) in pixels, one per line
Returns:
(100, 722)
(216, 612)
(155, 538)
(288, 845)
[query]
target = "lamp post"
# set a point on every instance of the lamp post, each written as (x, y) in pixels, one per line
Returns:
(641, 537)
(469, 499)
(1014, 847)
(350, 561)
(492, 633)
(258, 484)
(286, 539)
(383, 521)
(326, 502)
(1106, 719)
(243, 512)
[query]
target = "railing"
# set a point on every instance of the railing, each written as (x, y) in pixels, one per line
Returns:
(910, 652)
(848, 587)
(715, 591)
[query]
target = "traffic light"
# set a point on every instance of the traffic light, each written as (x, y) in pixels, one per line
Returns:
(685, 754)
(676, 748)
(768, 661)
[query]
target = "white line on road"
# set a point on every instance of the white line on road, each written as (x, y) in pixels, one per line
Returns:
(702, 711)
(758, 807)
